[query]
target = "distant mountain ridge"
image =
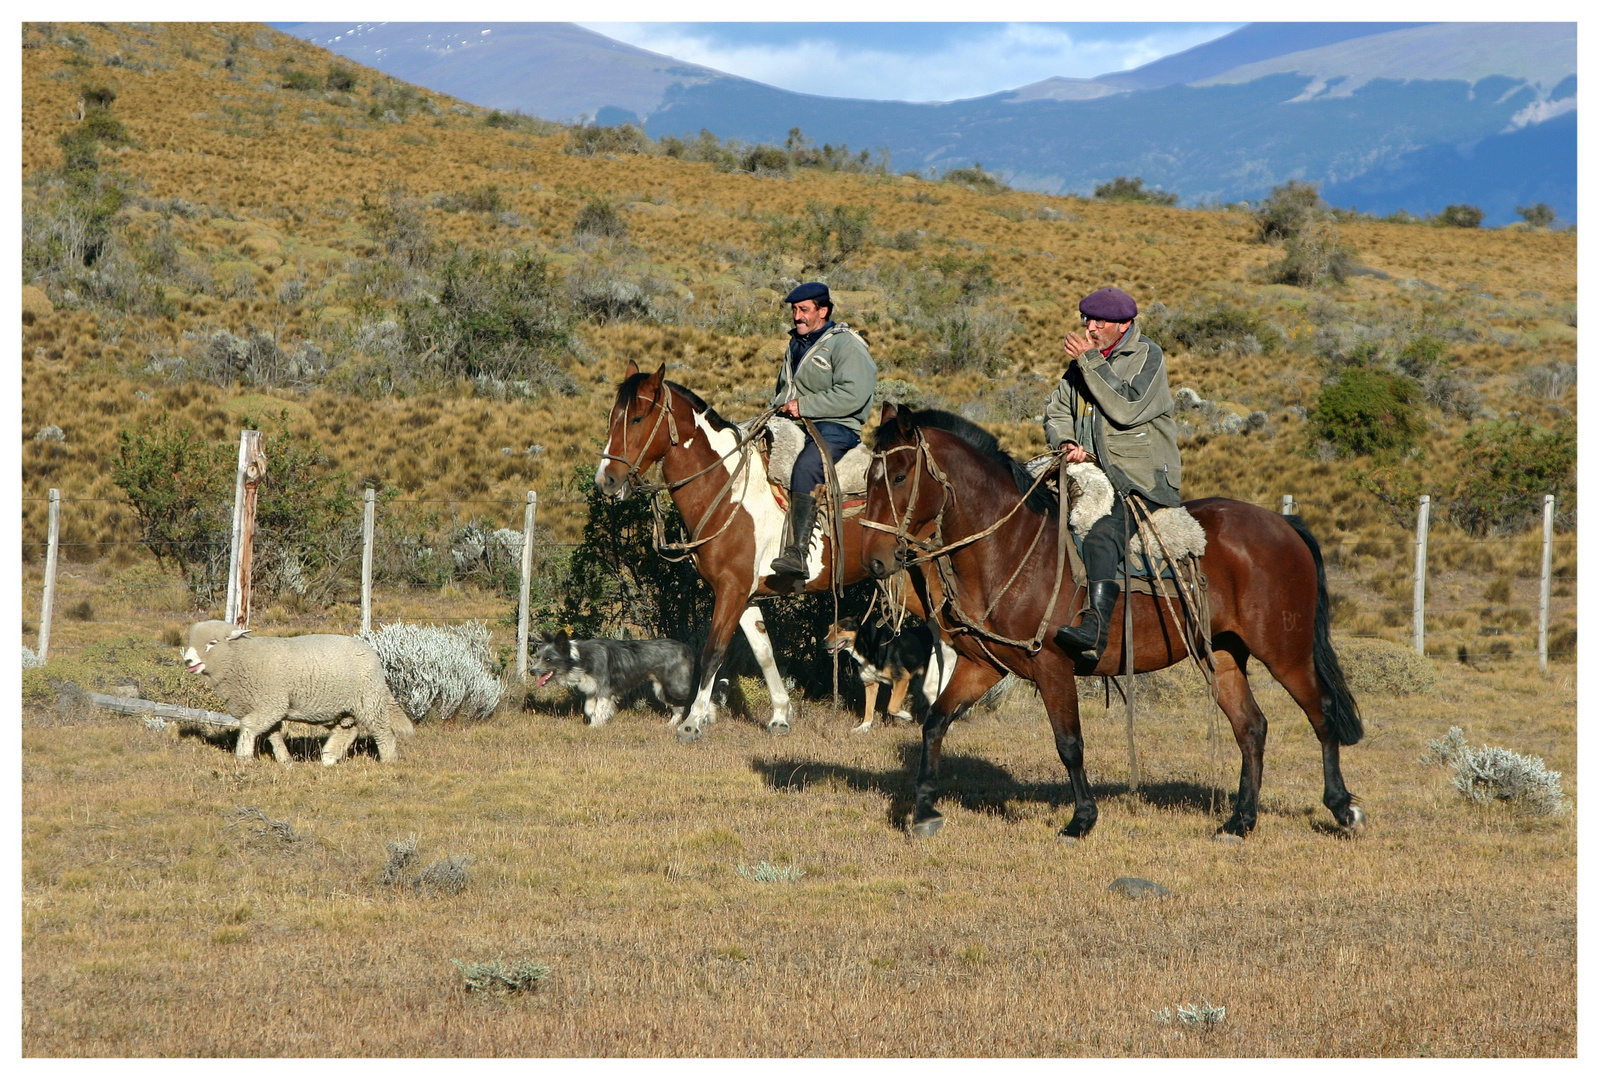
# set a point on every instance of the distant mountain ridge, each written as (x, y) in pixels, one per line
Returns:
(1391, 111)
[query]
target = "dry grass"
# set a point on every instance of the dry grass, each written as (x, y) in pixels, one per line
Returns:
(152, 927)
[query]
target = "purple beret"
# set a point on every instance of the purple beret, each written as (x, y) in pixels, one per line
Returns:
(1110, 304)
(811, 290)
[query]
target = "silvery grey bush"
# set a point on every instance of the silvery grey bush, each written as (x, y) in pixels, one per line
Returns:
(1490, 773)
(443, 666)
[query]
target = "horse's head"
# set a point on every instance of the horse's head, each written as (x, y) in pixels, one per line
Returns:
(642, 429)
(902, 496)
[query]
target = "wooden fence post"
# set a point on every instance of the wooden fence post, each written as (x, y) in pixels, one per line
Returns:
(1543, 588)
(1288, 506)
(367, 523)
(48, 607)
(1418, 603)
(524, 611)
(252, 467)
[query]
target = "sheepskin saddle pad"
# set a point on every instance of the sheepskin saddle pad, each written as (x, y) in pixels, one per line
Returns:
(788, 439)
(1180, 535)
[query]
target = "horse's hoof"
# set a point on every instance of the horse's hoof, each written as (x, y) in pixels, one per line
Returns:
(860, 729)
(928, 828)
(1357, 820)
(1227, 838)
(688, 734)
(778, 728)
(1074, 840)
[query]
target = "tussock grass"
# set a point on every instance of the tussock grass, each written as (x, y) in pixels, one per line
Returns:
(610, 857)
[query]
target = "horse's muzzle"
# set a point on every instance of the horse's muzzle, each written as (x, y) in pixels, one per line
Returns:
(611, 486)
(880, 568)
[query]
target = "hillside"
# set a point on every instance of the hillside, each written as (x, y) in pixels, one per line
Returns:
(287, 216)
(1384, 111)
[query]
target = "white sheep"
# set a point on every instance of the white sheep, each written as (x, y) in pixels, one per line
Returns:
(323, 679)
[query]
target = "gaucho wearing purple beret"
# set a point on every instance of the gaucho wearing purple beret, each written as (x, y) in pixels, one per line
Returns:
(1112, 403)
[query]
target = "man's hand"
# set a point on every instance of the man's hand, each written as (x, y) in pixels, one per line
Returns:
(1073, 453)
(790, 408)
(1077, 344)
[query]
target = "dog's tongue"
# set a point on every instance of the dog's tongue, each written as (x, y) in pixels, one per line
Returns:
(544, 678)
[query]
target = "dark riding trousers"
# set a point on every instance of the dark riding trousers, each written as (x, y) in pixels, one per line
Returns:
(1105, 542)
(808, 469)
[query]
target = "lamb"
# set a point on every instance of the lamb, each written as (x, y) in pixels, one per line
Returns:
(323, 679)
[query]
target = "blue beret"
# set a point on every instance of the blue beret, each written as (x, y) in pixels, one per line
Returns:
(811, 290)
(1110, 304)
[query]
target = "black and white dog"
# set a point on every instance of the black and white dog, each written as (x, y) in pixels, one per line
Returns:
(604, 669)
(884, 659)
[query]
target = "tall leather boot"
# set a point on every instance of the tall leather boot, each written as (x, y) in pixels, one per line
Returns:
(1089, 637)
(801, 518)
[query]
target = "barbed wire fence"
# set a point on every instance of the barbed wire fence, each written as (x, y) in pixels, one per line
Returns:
(441, 561)
(419, 552)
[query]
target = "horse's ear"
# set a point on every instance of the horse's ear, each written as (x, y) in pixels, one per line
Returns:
(656, 378)
(632, 370)
(890, 414)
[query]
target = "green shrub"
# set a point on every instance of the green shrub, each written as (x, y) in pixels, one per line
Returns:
(1288, 210)
(496, 323)
(1222, 327)
(486, 199)
(592, 139)
(977, 178)
(399, 225)
(823, 236)
(600, 217)
(1367, 411)
(1131, 189)
(766, 160)
(299, 79)
(1312, 256)
(1539, 215)
(1507, 467)
(340, 78)
(1460, 216)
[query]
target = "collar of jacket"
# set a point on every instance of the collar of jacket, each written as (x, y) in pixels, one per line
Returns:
(805, 341)
(1131, 327)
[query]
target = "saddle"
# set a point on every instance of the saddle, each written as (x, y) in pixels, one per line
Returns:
(781, 446)
(1091, 496)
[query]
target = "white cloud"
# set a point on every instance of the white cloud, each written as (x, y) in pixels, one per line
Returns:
(1002, 58)
(1539, 111)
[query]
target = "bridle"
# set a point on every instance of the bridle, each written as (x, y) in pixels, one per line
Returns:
(672, 550)
(667, 406)
(936, 550)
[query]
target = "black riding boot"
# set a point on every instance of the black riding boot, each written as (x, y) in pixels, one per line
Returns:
(1088, 639)
(801, 518)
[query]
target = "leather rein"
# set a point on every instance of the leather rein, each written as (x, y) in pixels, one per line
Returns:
(937, 550)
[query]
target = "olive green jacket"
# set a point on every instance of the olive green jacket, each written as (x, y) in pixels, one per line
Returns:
(834, 380)
(1119, 408)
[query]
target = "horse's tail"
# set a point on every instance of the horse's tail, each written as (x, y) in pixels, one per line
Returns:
(1338, 707)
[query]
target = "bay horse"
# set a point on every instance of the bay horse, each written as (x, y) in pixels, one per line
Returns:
(720, 486)
(937, 480)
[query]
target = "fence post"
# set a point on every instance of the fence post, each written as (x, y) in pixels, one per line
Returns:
(50, 575)
(1288, 506)
(524, 609)
(252, 467)
(1418, 604)
(367, 521)
(1543, 589)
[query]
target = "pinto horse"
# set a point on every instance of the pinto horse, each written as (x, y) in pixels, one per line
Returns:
(720, 485)
(939, 482)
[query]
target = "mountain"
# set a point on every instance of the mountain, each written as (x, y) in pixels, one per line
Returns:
(1389, 112)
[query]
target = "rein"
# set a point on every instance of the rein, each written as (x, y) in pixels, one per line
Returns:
(673, 550)
(937, 550)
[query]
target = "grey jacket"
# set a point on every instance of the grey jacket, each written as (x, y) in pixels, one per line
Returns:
(834, 380)
(1119, 408)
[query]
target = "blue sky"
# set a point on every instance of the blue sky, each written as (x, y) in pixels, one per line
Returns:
(912, 61)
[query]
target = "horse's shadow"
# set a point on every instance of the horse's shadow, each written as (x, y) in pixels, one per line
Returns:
(972, 782)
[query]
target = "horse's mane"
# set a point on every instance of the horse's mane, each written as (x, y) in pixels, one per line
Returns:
(627, 393)
(980, 439)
